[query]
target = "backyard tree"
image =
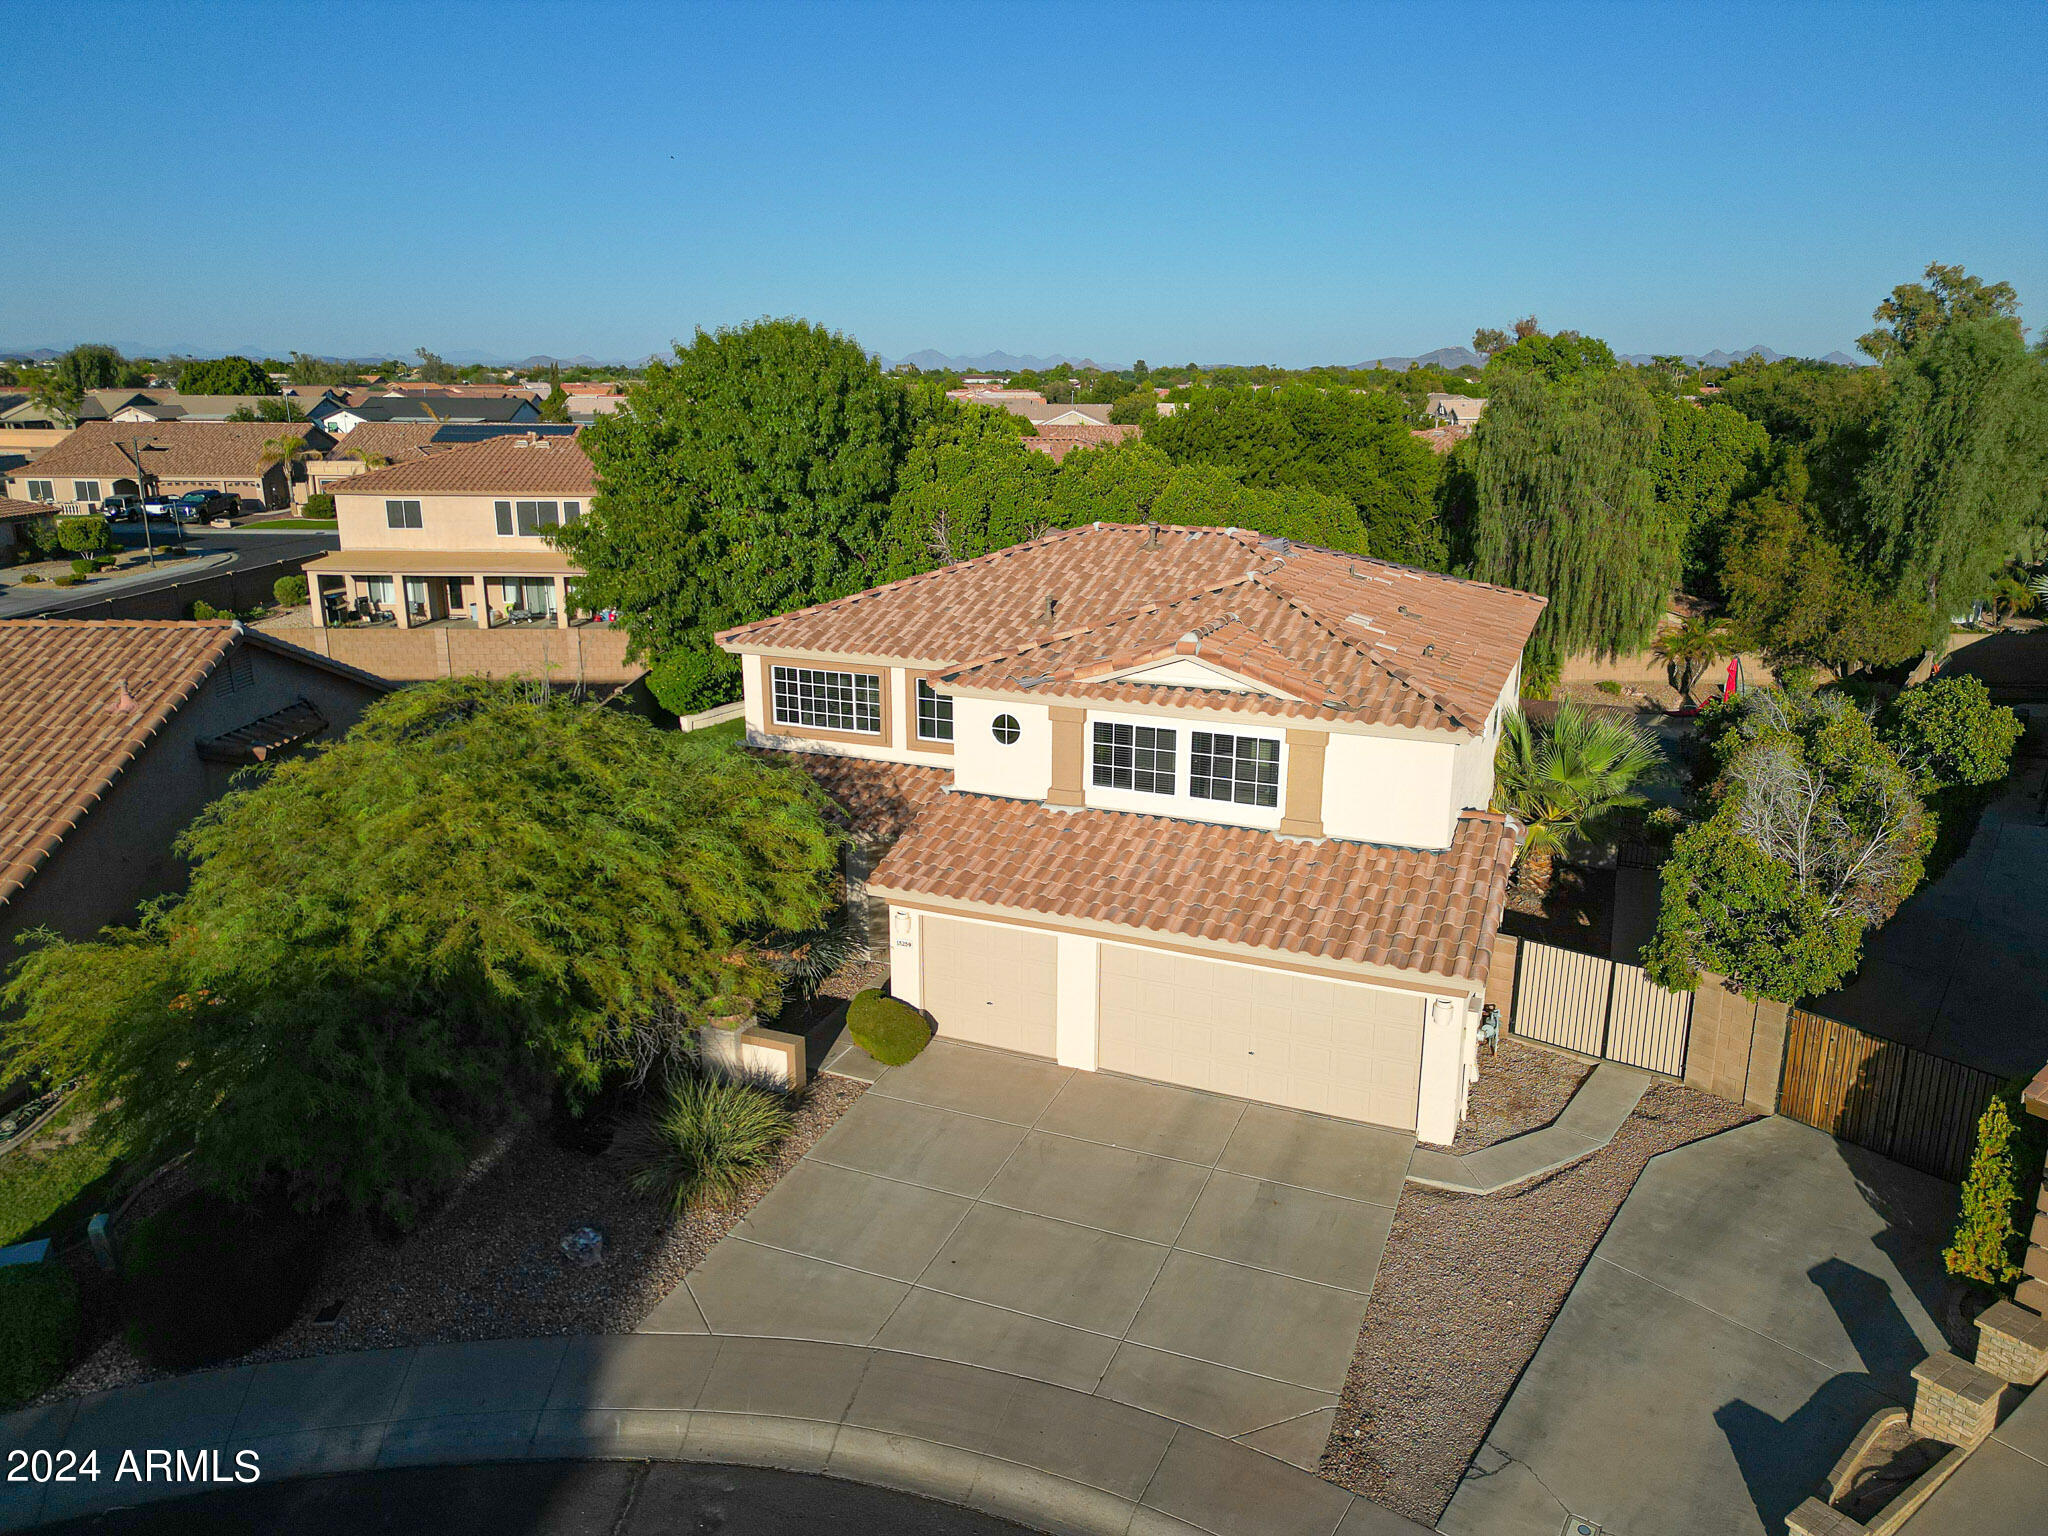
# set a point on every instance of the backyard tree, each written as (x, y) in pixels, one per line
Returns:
(748, 476)
(1696, 644)
(1565, 506)
(479, 888)
(1949, 733)
(1917, 310)
(1704, 458)
(1987, 1243)
(225, 376)
(1566, 780)
(1816, 835)
(1337, 442)
(61, 387)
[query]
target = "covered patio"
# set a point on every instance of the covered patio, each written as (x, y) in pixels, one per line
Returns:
(432, 589)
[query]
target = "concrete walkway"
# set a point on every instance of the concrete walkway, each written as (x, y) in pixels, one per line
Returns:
(1605, 1099)
(1759, 1295)
(1042, 1455)
(1099, 1233)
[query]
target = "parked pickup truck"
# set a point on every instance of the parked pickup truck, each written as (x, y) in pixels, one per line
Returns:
(195, 506)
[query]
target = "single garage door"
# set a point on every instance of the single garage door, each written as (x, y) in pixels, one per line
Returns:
(991, 984)
(1266, 1035)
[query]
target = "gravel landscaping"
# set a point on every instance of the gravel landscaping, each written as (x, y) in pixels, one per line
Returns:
(490, 1266)
(1522, 1088)
(1466, 1290)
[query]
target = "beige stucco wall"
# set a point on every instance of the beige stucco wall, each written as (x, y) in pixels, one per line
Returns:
(446, 522)
(587, 653)
(1385, 789)
(1023, 769)
(121, 852)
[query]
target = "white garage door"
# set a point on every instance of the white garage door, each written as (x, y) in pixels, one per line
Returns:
(1266, 1035)
(990, 984)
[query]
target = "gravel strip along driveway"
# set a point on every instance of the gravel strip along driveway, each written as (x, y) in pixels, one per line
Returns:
(488, 1267)
(1522, 1088)
(1467, 1287)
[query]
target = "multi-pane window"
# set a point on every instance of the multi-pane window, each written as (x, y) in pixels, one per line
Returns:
(828, 701)
(1245, 770)
(41, 490)
(402, 514)
(1139, 757)
(85, 490)
(934, 713)
(527, 519)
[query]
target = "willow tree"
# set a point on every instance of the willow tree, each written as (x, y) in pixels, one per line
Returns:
(1957, 480)
(1565, 506)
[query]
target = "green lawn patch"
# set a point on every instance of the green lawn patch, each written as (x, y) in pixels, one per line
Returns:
(47, 1191)
(290, 525)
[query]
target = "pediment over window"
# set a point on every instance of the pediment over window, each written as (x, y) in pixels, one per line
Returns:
(1192, 672)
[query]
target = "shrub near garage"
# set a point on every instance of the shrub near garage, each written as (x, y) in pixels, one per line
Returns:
(206, 1279)
(887, 1028)
(39, 1322)
(703, 1137)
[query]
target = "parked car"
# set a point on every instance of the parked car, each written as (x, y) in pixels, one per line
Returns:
(121, 509)
(204, 506)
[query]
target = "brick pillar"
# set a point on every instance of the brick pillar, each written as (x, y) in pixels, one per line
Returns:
(1955, 1401)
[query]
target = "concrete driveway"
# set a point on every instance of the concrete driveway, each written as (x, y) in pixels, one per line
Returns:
(1202, 1258)
(1759, 1295)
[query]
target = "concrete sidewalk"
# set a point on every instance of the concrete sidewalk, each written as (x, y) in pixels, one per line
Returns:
(1605, 1100)
(1045, 1456)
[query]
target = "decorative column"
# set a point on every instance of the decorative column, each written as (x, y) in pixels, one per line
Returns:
(1068, 754)
(1304, 802)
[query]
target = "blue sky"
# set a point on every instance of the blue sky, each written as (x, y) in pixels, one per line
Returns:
(1207, 182)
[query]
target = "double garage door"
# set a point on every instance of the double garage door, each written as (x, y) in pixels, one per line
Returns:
(1268, 1035)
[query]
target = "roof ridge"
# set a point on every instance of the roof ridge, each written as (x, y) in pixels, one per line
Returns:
(1155, 606)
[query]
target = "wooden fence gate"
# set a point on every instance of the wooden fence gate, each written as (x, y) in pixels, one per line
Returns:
(1601, 1008)
(1913, 1107)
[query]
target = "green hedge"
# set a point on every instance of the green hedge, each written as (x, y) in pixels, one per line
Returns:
(887, 1028)
(39, 1320)
(289, 591)
(206, 1279)
(319, 504)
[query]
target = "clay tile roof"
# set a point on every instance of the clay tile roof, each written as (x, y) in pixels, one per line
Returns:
(393, 439)
(1405, 908)
(264, 738)
(1332, 636)
(877, 800)
(515, 465)
(171, 450)
(1057, 442)
(82, 700)
(10, 509)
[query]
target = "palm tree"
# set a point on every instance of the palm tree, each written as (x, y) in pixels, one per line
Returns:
(1564, 780)
(1690, 649)
(287, 450)
(371, 459)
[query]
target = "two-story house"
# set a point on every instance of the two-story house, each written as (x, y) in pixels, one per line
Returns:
(1188, 804)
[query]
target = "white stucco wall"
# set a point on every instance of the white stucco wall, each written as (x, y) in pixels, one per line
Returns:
(1472, 769)
(1441, 1101)
(983, 765)
(1382, 789)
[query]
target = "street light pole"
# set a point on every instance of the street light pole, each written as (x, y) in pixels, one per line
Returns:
(132, 451)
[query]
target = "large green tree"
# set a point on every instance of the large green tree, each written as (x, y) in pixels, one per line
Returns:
(1565, 506)
(1958, 480)
(747, 477)
(1917, 310)
(1704, 458)
(225, 376)
(480, 888)
(60, 388)
(1336, 441)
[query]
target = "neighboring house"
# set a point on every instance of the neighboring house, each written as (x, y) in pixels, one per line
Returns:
(455, 537)
(92, 463)
(1457, 410)
(1183, 803)
(584, 409)
(27, 429)
(391, 441)
(15, 518)
(1058, 441)
(169, 405)
(500, 409)
(124, 729)
(1030, 404)
(1442, 437)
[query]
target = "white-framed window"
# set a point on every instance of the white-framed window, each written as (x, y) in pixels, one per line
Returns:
(934, 713)
(1135, 757)
(1244, 770)
(828, 701)
(402, 514)
(85, 490)
(380, 590)
(41, 490)
(1005, 729)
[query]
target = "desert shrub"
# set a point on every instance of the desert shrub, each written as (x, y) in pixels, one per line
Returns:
(1608, 685)
(105, 564)
(65, 581)
(84, 567)
(207, 1279)
(29, 578)
(319, 504)
(83, 535)
(887, 1028)
(39, 1321)
(202, 609)
(702, 1138)
(290, 591)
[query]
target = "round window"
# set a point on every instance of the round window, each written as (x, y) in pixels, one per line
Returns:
(1006, 729)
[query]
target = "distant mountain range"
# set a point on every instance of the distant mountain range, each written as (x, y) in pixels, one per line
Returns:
(1720, 359)
(1442, 357)
(930, 361)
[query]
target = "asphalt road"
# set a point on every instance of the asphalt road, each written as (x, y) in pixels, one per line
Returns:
(245, 548)
(552, 1498)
